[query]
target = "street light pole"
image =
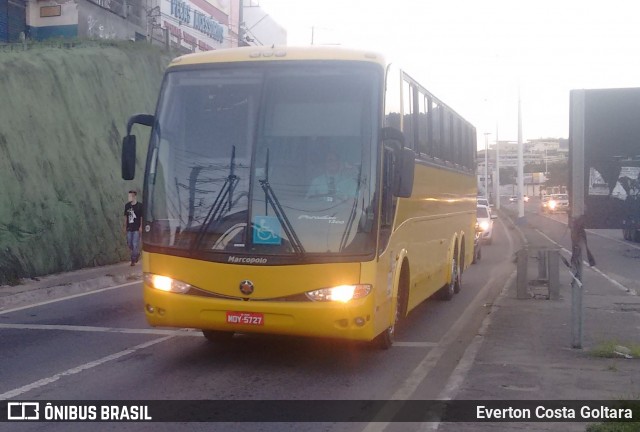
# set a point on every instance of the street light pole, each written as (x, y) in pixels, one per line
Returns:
(486, 164)
(520, 165)
(497, 178)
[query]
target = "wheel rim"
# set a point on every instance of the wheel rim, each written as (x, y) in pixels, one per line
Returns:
(454, 275)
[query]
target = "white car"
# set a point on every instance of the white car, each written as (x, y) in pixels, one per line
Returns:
(558, 203)
(483, 202)
(485, 221)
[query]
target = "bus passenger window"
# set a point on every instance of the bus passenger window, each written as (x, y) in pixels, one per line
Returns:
(436, 124)
(423, 125)
(407, 114)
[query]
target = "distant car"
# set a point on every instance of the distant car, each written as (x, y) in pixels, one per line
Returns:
(513, 198)
(485, 222)
(477, 244)
(544, 204)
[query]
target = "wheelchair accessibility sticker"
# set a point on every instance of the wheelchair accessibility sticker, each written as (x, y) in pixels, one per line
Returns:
(266, 230)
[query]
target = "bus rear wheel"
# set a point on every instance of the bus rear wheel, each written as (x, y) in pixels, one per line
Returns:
(217, 335)
(447, 292)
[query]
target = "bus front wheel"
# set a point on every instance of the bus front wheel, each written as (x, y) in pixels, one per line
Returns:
(217, 336)
(385, 339)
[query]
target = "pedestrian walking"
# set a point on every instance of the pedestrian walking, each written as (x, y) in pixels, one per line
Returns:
(133, 225)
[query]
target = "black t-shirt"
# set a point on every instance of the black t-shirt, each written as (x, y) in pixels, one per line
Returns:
(133, 212)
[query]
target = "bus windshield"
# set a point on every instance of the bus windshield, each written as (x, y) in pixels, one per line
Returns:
(265, 159)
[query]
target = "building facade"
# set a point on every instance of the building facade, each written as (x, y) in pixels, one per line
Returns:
(186, 25)
(259, 27)
(13, 22)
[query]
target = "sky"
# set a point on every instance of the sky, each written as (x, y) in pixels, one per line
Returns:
(478, 55)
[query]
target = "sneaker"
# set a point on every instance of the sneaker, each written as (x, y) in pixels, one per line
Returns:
(133, 263)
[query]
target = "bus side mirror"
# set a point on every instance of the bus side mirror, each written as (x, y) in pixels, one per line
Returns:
(407, 159)
(129, 157)
(129, 144)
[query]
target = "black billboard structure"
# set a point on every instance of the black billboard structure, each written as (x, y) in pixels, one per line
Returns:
(604, 173)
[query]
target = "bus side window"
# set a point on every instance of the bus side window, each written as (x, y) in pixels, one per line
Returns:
(408, 127)
(392, 98)
(445, 134)
(423, 125)
(436, 128)
(457, 141)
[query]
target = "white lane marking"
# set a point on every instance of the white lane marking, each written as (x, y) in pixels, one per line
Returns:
(594, 268)
(418, 375)
(42, 303)
(599, 234)
(99, 329)
(461, 371)
(46, 381)
(415, 344)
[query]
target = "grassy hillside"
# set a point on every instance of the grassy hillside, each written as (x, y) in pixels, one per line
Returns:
(63, 113)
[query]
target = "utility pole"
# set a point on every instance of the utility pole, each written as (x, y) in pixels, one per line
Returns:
(497, 177)
(521, 218)
(312, 33)
(241, 41)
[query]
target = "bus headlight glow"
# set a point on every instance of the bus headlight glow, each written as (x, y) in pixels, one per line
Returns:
(484, 225)
(552, 204)
(165, 283)
(342, 293)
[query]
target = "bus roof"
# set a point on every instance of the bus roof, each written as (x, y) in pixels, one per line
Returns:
(278, 53)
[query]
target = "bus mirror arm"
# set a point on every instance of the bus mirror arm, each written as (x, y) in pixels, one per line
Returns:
(129, 145)
(142, 119)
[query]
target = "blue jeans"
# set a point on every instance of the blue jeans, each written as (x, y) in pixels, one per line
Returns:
(133, 241)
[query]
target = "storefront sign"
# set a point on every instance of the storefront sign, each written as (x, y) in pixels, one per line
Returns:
(50, 11)
(188, 15)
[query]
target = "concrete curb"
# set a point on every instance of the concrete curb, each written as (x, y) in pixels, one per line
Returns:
(67, 284)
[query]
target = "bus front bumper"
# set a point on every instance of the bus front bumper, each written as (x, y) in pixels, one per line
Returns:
(353, 320)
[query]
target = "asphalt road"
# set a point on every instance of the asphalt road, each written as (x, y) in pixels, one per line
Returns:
(99, 347)
(617, 258)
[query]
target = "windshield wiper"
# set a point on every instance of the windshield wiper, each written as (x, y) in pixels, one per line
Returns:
(352, 215)
(221, 204)
(270, 198)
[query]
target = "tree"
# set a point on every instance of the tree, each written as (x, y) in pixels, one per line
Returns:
(534, 168)
(558, 174)
(507, 176)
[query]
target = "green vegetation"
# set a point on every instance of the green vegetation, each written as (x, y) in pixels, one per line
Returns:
(607, 349)
(62, 118)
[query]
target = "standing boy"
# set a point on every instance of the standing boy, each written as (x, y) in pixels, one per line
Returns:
(133, 225)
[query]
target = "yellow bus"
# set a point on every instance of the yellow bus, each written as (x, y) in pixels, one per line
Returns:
(315, 191)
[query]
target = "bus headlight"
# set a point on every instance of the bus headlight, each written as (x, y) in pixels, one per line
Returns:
(342, 293)
(552, 204)
(484, 225)
(165, 283)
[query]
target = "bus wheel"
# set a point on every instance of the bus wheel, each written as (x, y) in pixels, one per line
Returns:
(385, 339)
(458, 284)
(447, 292)
(217, 336)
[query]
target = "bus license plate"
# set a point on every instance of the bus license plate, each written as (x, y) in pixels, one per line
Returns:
(246, 318)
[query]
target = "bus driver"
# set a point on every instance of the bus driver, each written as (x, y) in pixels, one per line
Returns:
(335, 183)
